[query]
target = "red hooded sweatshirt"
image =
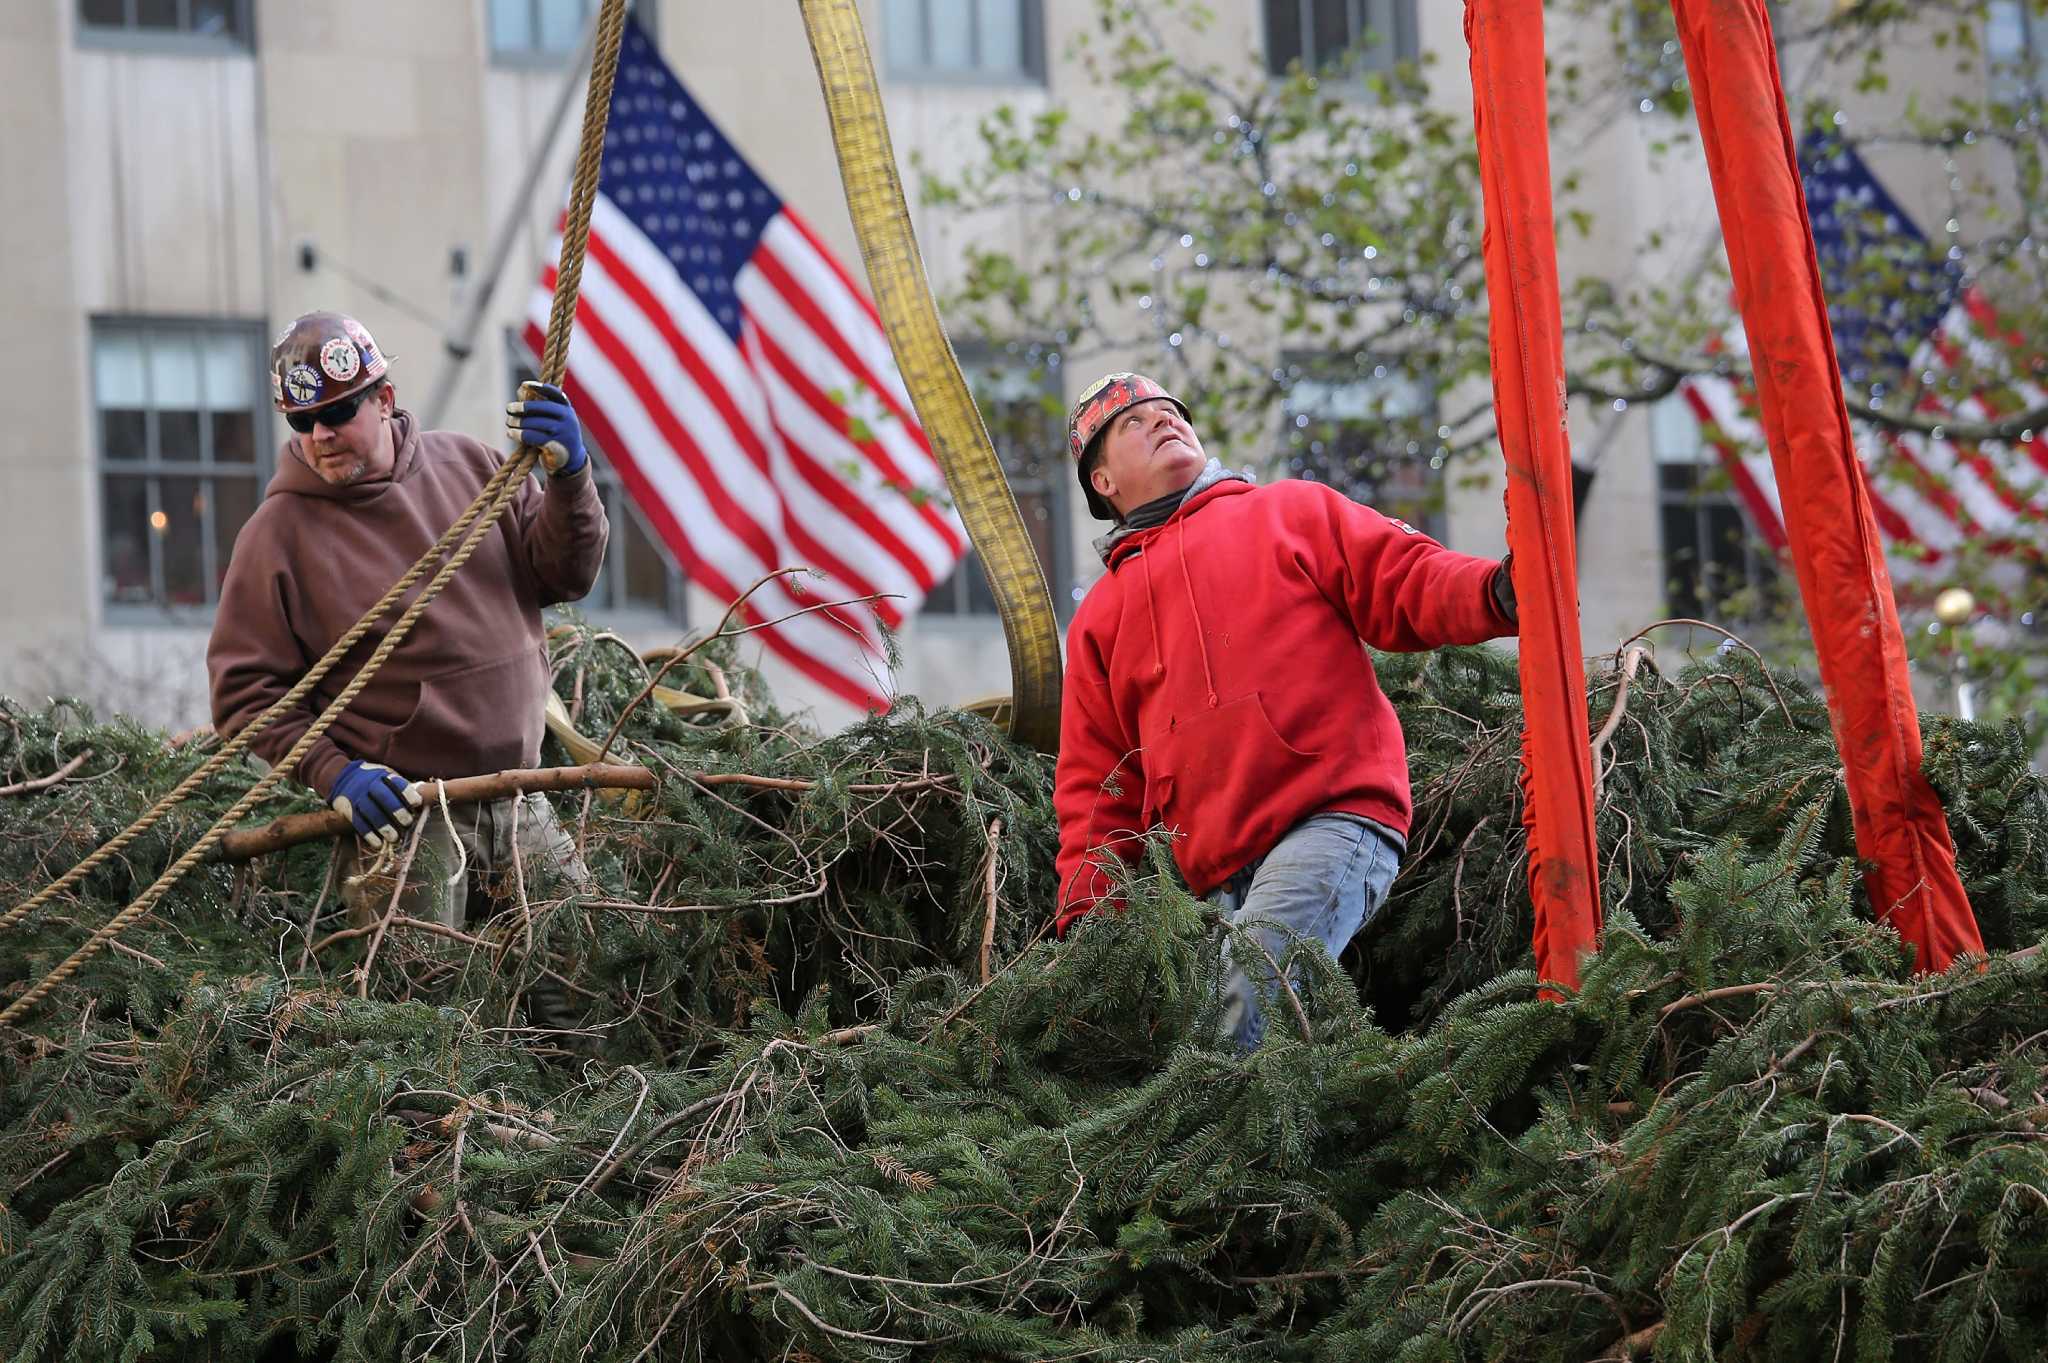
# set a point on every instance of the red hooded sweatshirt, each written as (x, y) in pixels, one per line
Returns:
(1218, 684)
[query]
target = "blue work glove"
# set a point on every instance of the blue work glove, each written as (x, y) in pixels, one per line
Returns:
(375, 798)
(542, 416)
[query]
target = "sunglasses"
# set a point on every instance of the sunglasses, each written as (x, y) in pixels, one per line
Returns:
(333, 416)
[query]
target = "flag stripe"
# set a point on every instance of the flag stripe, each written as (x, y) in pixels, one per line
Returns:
(732, 453)
(807, 471)
(809, 418)
(810, 644)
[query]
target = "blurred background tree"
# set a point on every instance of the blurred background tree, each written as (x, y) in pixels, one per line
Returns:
(1292, 242)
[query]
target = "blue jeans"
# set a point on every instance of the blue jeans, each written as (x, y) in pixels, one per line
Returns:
(1322, 882)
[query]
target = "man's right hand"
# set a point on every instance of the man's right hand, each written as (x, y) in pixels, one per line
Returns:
(375, 798)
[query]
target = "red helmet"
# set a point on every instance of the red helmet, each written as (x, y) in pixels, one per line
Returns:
(1099, 405)
(323, 357)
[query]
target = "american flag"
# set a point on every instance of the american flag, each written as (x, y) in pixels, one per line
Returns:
(742, 385)
(1933, 332)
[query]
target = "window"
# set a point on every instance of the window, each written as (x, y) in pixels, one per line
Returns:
(639, 576)
(1323, 35)
(1020, 405)
(1369, 432)
(2015, 49)
(544, 32)
(181, 422)
(199, 24)
(965, 40)
(1714, 563)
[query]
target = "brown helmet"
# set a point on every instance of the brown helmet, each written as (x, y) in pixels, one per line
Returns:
(323, 357)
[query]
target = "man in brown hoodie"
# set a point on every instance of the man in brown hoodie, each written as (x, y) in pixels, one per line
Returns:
(360, 493)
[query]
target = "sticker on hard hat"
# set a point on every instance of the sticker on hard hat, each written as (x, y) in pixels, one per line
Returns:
(276, 386)
(339, 360)
(302, 382)
(358, 333)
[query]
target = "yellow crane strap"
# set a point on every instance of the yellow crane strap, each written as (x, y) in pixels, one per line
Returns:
(874, 195)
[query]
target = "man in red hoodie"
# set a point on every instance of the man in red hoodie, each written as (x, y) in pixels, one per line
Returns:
(359, 494)
(1218, 683)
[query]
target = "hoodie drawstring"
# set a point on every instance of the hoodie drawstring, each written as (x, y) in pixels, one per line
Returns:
(1202, 643)
(1152, 614)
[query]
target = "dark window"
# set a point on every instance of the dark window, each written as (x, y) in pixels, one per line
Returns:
(990, 40)
(1020, 405)
(198, 23)
(639, 576)
(1370, 432)
(181, 418)
(1715, 564)
(1326, 35)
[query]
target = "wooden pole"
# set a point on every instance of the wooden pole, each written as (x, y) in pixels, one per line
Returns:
(246, 844)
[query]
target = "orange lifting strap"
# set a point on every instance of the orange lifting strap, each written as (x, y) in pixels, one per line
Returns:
(1901, 833)
(1511, 112)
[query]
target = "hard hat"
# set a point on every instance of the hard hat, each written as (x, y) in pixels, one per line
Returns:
(1100, 403)
(323, 357)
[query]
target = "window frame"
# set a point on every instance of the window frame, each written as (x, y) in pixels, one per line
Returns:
(1055, 486)
(536, 58)
(1032, 71)
(617, 611)
(152, 470)
(1403, 44)
(128, 37)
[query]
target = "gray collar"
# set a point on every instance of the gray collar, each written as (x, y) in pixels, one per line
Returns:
(1212, 473)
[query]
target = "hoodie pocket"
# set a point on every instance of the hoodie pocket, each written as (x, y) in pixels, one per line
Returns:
(473, 721)
(1225, 782)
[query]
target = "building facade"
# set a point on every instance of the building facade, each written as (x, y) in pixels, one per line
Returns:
(185, 176)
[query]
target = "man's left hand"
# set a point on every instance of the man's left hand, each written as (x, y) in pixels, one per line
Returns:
(543, 417)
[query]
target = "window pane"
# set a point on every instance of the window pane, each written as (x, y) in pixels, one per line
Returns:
(1682, 559)
(177, 436)
(647, 565)
(124, 433)
(174, 370)
(1674, 432)
(124, 520)
(511, 25)
(234, 502)
(2005, 34)
(182, 531)
(981, 598)
(117, 373)
(1283, 34)
(234, 438)
(105, 13)
(1002, 35)
(903, 34)
(229, 370)
(217, 18)
(156, 14)
(561, 24)
(952, 34)
(1332, 19)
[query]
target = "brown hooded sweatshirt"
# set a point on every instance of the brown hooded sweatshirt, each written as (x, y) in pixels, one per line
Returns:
(463, 695)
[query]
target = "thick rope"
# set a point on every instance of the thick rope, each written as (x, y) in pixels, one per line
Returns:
(472, 527)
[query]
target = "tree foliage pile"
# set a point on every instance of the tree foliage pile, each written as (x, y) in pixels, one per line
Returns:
(837, 1095)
